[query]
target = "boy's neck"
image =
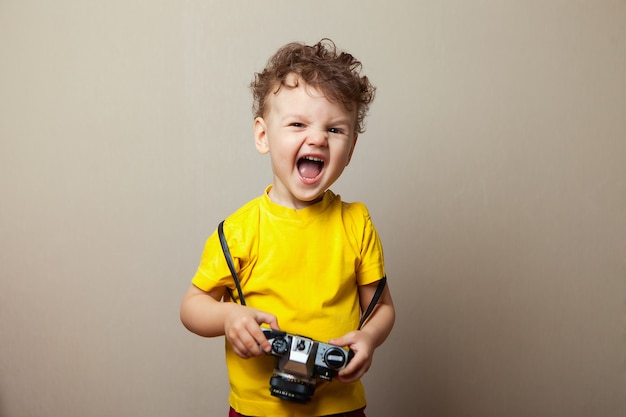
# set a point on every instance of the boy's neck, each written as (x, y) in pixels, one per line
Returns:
(292, 203)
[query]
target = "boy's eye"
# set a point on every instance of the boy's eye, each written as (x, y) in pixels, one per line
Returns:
(296, 124)
(335, 130)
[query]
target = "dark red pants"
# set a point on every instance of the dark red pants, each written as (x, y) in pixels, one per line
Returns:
(355, 413)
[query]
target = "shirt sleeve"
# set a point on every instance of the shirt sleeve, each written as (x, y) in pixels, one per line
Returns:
(372, 265)
(213, 270)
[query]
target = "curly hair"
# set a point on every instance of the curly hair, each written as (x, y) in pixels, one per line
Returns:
(336, 74)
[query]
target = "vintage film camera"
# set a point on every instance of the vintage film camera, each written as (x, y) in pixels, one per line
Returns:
(300, 360)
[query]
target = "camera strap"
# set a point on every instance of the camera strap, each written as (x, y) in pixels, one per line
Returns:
(231, 266)
(375, 298)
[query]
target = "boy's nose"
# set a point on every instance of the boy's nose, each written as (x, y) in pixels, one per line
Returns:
(317, 138)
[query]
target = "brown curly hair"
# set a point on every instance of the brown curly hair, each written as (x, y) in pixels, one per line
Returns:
(336, 74)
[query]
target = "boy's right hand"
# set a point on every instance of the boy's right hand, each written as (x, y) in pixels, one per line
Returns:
(241, 328)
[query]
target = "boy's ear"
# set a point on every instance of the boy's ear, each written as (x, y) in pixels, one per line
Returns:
(260, 136)
(356, 136)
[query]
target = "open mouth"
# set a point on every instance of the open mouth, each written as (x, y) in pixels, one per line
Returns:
(310, 167)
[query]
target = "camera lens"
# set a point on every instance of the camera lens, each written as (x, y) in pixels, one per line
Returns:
(291, 388)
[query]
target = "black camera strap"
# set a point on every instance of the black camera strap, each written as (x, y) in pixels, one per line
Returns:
(242, 300)
(229, 261)
(375, 298)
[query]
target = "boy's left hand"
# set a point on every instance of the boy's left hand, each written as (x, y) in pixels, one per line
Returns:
(363, 345)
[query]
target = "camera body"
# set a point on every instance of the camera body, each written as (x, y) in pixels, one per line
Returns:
(300, 361)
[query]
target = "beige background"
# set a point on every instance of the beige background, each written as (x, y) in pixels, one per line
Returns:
(494, 167)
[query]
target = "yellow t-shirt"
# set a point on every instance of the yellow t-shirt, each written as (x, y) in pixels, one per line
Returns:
(304, 266)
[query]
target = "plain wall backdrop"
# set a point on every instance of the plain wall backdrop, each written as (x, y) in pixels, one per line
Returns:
(494, 166)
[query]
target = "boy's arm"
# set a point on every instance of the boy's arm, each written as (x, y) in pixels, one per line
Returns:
(204, 314)
(373, 333)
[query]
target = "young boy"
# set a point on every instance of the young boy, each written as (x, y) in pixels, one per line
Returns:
(308, 263)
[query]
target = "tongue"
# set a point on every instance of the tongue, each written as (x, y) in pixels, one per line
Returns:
(309, 169)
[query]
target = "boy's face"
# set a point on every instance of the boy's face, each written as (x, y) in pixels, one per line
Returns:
(310, 141)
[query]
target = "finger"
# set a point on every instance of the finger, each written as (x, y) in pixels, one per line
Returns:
(336, 342)
(261, 341)
(352, 366)
(243, 340)
(353, 372)
(341, 341)
(255, 341)
(241, 346)
(347, 378)
(267, 318)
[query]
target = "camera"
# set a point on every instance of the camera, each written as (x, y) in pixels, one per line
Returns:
(300, 361)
